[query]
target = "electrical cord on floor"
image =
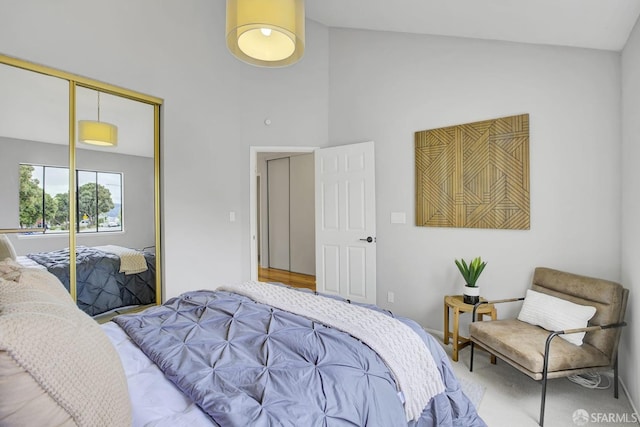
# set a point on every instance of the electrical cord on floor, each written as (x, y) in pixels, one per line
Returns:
(591, 380)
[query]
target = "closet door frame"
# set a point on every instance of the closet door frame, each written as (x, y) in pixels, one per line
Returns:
(74, 82)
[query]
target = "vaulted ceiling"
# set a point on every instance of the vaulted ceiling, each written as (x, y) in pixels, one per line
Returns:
(596, 24)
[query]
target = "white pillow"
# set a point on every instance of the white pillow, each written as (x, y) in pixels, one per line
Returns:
(556, 314)
(6, 248)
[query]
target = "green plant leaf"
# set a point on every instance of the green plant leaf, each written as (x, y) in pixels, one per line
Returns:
(482, 266)
(464, 271)
(471, 272)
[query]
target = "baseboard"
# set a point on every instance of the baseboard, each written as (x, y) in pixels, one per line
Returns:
(626, 392)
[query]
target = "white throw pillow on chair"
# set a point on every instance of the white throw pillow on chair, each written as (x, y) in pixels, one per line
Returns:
(556, 314)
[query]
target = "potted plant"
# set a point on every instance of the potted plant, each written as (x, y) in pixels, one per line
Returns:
(470, 273)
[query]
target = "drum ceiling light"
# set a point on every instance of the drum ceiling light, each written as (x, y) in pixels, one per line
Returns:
(96, 132)
(266, 33)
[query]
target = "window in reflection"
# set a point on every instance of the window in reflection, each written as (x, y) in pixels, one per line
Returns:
(99, 201)
(44, 203)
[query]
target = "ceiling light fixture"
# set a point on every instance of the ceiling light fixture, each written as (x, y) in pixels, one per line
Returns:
(97, 132)
(266, 33)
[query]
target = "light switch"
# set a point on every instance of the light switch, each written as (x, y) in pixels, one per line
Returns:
(398, 218)
(232, 216)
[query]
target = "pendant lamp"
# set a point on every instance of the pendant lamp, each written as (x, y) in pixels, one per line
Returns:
(266, 33)
(97, 132)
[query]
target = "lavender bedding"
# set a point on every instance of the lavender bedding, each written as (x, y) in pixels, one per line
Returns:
(245, 363)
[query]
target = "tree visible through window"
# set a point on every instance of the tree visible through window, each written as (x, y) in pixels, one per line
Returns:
(45, 203)
(99, 201)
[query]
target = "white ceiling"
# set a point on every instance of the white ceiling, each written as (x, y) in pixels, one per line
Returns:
(597, 24)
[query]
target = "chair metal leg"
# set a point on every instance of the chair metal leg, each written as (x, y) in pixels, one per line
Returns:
(471, 361)
(545, 370)
(544, 395)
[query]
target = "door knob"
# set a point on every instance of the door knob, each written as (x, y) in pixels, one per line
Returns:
(368, 239)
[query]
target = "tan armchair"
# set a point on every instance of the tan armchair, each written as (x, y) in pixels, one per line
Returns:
(534, 351)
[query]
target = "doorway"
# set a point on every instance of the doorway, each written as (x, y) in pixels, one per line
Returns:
(264, 234)
(344, 218)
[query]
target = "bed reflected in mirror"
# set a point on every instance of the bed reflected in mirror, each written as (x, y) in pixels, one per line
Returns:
(115, 202)
(93, 224)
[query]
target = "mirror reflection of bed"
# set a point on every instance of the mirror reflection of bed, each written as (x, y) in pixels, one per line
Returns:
(114, 233)
(121, 231)
(109, 278)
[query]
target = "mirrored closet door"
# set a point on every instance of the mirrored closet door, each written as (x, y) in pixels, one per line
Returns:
(34, 165)
(61, 132)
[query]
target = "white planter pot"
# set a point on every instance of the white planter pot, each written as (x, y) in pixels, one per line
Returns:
(471, 294)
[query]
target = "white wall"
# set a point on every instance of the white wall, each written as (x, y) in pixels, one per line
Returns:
(214, 109)
(383, 87)
(631, 210)
(386, 86)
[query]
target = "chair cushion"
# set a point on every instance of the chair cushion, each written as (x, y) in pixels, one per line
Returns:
(609, 299)
(506, 339)
(556, 314)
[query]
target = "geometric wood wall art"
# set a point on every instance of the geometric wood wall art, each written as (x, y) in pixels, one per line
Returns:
(474, 175)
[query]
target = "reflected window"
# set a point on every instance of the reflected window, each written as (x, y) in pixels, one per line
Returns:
(99, 201)
(44, 203)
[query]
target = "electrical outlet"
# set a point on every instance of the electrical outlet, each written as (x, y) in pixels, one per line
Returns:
(390, 297)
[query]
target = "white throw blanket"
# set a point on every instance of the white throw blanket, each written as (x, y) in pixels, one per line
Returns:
(56, 358)
(131, 261)
(397, 344)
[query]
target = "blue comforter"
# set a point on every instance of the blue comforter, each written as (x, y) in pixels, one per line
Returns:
(99, 284)
(249, 364)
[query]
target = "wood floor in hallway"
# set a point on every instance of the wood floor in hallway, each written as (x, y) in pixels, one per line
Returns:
(287, 277)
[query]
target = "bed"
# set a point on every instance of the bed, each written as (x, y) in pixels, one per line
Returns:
(102, 284)
(245, 357)
(235, 356)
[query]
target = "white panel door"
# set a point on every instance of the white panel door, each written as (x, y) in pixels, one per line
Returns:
(346, 221)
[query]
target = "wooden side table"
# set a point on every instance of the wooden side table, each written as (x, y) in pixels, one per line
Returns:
(456, 303)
